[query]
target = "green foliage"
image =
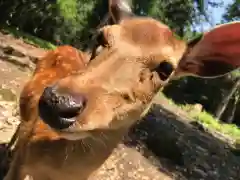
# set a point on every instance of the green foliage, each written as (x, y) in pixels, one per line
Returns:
(37, 17)
(180, 15)
(60, 22)
(194, 37)
(73, 21)
(68, 9)
(232, 12)
(29, 38)
(236, 73)
(177, 18)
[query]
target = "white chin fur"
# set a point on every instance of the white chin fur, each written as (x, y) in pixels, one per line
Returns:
(28, 177)
(75, 136)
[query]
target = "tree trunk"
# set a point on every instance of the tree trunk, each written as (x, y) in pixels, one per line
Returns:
(223, 105)
(230, 112)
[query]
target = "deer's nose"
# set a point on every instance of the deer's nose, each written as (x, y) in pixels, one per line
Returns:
(59, 110)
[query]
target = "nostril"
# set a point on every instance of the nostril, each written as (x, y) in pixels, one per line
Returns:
(70, 106)
(60, 110)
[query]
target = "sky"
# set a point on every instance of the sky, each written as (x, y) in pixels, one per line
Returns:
(217, 13)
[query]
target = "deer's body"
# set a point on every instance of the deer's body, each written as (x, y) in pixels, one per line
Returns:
(86, 110)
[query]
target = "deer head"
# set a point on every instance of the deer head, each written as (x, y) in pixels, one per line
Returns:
(55, 65)
(138, 56)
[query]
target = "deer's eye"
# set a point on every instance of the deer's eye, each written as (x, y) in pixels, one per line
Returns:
(101, 40)
(100, 43)
(164, 70)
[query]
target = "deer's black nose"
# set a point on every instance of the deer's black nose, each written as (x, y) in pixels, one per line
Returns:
(59, 110)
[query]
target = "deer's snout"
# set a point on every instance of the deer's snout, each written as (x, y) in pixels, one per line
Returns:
(59, 110)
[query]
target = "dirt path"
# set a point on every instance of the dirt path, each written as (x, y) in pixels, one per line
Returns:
(16, 61)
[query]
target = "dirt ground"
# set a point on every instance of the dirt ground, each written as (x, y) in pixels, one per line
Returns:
(162, 146)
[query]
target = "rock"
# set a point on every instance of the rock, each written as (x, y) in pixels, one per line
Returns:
(22, 62)
(9, 119)
(17, 52)
(202, 153)
(10, 50)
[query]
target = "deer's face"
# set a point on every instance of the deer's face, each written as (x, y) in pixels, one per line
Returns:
(138, 56)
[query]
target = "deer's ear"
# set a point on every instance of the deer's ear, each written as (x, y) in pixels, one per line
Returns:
(215, 53)
(119, 9)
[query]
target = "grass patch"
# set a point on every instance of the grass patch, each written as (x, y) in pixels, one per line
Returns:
(28, 38)
(209, 122)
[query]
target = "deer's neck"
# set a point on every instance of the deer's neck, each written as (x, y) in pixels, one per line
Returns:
(96, 147)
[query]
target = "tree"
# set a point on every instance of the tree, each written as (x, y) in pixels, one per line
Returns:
(71, 21)
(232, 12)
(181, 15)
(223, 104)
(59, 21)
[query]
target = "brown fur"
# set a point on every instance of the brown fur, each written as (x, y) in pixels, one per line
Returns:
(118, 83)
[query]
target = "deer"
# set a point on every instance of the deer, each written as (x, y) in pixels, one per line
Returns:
(75, 122)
